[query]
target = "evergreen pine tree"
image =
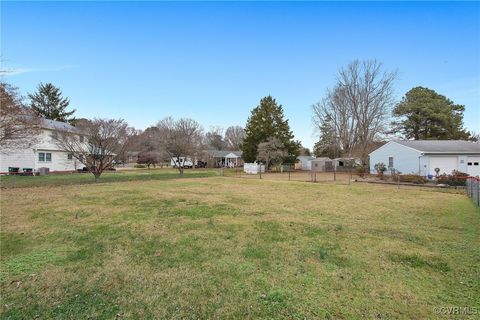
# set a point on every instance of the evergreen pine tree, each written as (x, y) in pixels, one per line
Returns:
(425, 114)
(266, 121)
(48, 103)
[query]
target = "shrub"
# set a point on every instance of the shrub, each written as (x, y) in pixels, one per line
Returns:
(362, 170)
(380, 168)
(413, 178)
(457, 178)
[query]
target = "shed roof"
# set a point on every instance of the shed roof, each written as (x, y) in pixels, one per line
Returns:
(321, 159)
(305, 157)
(442, 146)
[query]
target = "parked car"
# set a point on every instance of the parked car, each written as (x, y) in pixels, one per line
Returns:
(201, 164)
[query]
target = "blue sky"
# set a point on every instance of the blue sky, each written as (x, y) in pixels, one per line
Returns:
(214, 61)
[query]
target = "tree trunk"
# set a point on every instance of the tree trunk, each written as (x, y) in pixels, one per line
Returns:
(97, 177)
(180, 169)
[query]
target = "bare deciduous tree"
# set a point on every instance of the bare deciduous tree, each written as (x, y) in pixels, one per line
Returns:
(234, 137)
(271, 151)
(18, 125)
(214, 138)
(180, 138)
(149, 158)
(96, 144)
(358, 106)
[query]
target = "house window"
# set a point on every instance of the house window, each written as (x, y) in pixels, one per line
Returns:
(469, 164)
(475, 163)
(81, 138)
(69, 156)
(44, 157)
(390, 162)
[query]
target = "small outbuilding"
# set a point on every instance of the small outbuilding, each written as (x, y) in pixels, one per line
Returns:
(304, 163)
(321, 164)
(424, 156)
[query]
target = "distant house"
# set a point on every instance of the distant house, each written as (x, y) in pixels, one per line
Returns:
(424, 156)
(223, 158)
(44, 153)
(304, 163)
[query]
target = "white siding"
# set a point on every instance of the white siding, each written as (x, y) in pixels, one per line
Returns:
(28, 158)
(60, 161)
(405, 159)
(24, 158)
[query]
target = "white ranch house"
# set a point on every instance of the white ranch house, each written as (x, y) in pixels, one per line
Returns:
(43, 153)
(423, 156)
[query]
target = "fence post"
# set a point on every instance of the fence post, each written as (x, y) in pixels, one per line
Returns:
(288, 175)
(478, 191)
(260, 172)
(398, 181)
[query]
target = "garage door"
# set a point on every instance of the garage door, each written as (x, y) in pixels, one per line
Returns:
(473, 166)
(445, 164)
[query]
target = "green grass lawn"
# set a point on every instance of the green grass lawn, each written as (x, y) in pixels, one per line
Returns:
(236, 248)
(10, 181)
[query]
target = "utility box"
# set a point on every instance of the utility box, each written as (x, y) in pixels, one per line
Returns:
(43, 171)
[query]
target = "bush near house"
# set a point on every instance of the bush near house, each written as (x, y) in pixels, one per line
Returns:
(380, 168)
(457, 178)
(413, 178)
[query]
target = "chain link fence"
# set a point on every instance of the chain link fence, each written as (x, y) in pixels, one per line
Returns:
(473, 190)
(292, 175)
(346, 177)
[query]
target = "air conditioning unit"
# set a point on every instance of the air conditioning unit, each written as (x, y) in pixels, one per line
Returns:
(43, 171)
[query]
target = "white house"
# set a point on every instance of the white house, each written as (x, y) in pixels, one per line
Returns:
(423, 156)
(42, 153)
(225, 158)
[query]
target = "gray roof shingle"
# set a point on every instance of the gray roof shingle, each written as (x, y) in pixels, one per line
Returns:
(57, 125)
(442, 146)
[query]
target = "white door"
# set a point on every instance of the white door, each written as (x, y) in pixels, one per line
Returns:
(445, 164)
(473, 166)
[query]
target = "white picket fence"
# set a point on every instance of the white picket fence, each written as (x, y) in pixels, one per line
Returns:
(253, 168)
